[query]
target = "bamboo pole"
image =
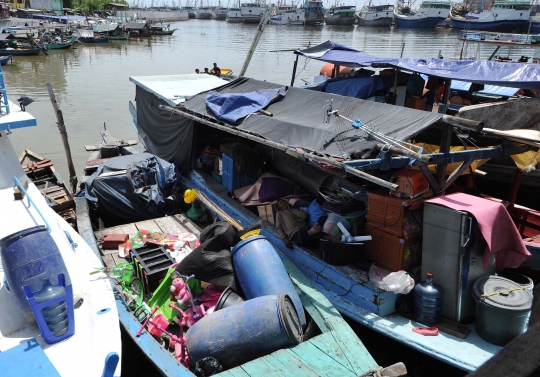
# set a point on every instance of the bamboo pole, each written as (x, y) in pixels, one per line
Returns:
(260, 29)
(63, 133)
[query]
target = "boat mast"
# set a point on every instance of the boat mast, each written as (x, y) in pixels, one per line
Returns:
(260, 29)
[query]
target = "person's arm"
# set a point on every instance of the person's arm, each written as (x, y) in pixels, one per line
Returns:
(302, 215)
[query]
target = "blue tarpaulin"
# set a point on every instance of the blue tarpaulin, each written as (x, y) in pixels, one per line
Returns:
(232, 107)
(514, 75)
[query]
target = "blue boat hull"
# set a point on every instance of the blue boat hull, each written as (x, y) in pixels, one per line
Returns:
(508, 25)
(4, 59)
(424, 23)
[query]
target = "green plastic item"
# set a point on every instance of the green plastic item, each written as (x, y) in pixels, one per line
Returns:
(162, 296)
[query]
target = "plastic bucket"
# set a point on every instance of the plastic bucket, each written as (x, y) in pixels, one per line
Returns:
(28, 257)
(502, 314)
(228, 298)
(522, 280)
(244, 332)
(330, 226)
(260, 272)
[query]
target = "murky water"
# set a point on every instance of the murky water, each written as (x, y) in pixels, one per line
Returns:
(92, 84)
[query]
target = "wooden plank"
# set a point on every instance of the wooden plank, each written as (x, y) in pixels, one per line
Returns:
(108, 261)
(260, 367)
(168, 225)
(293, 366)
(129, 229)
(188, 224)
(327, 344)
(236, 372)
(84, 225)
(148, 225)
(315, 359)
(450, 327)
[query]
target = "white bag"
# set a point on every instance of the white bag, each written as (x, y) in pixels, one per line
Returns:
(397, 282)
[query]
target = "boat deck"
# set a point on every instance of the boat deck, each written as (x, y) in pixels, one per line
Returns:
(335, 352)
(177, 224)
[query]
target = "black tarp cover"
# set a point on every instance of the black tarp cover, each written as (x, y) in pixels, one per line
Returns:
(298, 119)
(133, 187)
(168, 136)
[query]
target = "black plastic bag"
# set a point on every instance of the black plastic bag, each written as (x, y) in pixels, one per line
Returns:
(208, 366)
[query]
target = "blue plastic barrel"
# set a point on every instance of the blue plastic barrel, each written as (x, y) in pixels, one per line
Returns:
(28, 257)
(260, 272)
(428, 301)
(245, 331)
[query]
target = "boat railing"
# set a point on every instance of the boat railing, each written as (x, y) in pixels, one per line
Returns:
(483, 36)
(4, 103)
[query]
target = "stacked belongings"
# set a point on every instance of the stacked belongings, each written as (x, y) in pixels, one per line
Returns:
(228, 334)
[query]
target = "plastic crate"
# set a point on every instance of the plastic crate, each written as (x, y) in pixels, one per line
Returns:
(231, 179)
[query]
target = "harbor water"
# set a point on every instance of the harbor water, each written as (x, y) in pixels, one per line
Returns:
(92, 87)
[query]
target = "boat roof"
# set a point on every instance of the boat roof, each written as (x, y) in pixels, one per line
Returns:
(135, 25)
(298, 119)
(105, 27)
(174, 89)
(514, 75)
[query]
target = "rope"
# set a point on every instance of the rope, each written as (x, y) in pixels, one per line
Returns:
(373, 373)
(503, 291)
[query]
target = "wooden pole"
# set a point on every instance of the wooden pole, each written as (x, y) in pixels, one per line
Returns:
(63, 133)
(260, 29)
(294, 70)
(446, 140)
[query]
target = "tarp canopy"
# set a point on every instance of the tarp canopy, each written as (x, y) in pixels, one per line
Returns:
(514, 75)
(298, 119)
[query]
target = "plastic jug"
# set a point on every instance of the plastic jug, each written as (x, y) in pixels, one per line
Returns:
(428, 301)
(56, 315)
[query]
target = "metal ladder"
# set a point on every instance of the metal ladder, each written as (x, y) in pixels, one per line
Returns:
(4, 103)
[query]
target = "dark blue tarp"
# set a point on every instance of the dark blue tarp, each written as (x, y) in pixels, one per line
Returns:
(361, 87)
(514, 75)
(134, 187)
(232, 107)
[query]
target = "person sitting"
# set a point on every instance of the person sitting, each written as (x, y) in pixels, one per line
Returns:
(292, 226)
(197, 71)
(206, 71)
(216, 70)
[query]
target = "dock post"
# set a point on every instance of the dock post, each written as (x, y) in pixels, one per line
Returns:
(63, 132)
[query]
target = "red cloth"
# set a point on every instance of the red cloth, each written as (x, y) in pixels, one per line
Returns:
(496, 225)
(426, 331)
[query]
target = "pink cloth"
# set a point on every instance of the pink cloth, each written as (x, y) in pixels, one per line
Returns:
(426, 331)
(496, 225)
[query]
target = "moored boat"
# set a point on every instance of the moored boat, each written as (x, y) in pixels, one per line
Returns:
(341, 15)
(288, 17)
(314, 12)
(88, 36)
(252, 13)
(161, 29)
(503, 15)
(61, 44)
(203, 13)
(220, 13)
(234, 15)
(4, 59)
(376, 15)
(30, 339)
(428, 15)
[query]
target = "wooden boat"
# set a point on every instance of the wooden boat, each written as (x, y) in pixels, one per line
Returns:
(20, 51)
(23, 347)
(4, 59)
(119, 37)
(60, 45)
(161, 29)
(41, 172)
(336, 351)
(347, 287)
(108, 147)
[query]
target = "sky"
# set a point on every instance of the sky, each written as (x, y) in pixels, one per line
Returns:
(327, 3)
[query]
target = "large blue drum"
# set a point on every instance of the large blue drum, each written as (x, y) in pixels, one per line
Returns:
(246, 331)
(28, 257)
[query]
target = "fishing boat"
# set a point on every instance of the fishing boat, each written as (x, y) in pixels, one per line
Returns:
(326, 336)
(20, 51)
(252, 12)
(505, 15)
(376, 15)
(288, 17)
(60, 45)
(113, 31)
(234, 15)
(138, 29)
(428, 15)
(161, 29)
(41, 172)
(91, 327)
(10, 45)
(191, 11)
(203, 13)
(88, 36)
(314, 12)
(344, 282)
(341, 15)
(220, 13)
(4, 59)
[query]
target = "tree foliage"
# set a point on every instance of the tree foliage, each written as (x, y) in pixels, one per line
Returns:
(91, 5)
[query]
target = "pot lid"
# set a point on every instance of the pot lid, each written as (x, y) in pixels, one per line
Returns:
(502, 293)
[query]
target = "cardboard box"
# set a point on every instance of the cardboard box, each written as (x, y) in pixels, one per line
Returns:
(266, 212)
(393, 215)
(391, 252)
(411, 182)
(415, 103)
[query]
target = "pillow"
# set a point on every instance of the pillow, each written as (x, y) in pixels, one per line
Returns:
(315, 210)
(273, 188)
